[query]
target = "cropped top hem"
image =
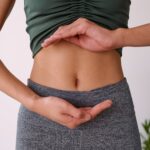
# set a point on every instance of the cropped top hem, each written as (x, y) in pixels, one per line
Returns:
(39, 47)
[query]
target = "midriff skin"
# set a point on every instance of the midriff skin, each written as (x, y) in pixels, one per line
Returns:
(66, 66)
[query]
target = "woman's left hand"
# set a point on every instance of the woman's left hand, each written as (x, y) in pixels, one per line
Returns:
(85, 34)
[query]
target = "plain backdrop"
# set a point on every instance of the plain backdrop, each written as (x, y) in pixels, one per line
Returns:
(16, 55)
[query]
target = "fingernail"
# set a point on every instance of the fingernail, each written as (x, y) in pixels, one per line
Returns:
(78, 115)
(46, 40)
(53, 36)
(109, 102)
(43, 44)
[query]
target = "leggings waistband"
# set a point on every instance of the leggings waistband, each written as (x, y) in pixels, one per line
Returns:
(81, 97)
(109, 87)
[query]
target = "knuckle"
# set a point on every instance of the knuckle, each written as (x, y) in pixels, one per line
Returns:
(79, 114)
(52, 97)
(67, 105)
(82, 27)
(59, 28)
(84, 20)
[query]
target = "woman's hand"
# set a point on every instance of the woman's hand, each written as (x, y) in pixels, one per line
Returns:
(86, 34)
(64, 113)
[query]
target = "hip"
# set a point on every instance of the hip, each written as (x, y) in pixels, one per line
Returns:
(115, 128)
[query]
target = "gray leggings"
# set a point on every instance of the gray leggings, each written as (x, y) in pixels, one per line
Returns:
(114, 129)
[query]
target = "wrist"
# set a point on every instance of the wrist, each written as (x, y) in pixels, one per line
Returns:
(31, 101)
(121, 37)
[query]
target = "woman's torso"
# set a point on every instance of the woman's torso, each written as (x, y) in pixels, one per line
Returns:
(66, 66)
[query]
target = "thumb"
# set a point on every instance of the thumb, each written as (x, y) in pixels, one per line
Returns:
(97, 109)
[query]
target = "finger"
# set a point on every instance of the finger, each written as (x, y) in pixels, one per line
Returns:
(65, 32)
(78, 121)
(70, 30)
(73, 111)
(68, 27)
(73, 40)
(61, 29)
(65, 119)
(97, 109)
(50, 40)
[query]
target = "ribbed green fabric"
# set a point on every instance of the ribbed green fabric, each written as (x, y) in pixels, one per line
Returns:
(43, 17)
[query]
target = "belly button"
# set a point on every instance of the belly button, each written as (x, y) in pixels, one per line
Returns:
(76, 82)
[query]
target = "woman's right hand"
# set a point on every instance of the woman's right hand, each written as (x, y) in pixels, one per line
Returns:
(61, 111)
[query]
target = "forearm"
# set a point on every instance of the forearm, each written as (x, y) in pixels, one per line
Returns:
(5, 9)
(136, 36)
(14, 88)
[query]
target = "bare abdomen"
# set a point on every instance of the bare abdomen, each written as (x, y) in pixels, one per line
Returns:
(68, 67)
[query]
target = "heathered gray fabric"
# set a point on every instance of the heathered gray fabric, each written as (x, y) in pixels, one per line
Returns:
(115, 129)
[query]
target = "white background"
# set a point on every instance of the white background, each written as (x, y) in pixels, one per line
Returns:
(16, 55)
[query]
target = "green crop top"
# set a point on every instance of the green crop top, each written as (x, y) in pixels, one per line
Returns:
(43, 17)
